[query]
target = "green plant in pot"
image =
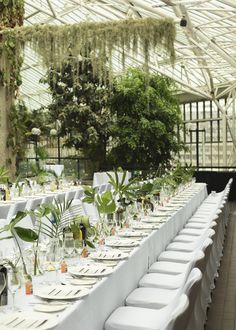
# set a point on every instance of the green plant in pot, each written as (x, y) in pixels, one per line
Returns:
(82, 230)
(15, 232)
(106, 205)
(124, 193)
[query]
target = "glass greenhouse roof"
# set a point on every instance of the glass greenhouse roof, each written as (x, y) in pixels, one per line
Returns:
(205, 49)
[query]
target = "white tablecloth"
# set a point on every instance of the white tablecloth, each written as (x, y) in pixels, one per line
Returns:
(100, 178)
(58, 169)
(109, 293)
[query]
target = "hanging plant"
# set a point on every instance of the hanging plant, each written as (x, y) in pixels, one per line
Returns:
(11, 15)
(101, 40)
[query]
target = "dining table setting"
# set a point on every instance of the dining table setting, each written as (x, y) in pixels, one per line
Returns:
(79, 290)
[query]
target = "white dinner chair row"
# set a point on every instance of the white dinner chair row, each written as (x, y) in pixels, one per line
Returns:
(174, 276)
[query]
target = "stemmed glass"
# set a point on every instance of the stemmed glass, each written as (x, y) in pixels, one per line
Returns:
(55, 255)
(69, 245)
(13, 281)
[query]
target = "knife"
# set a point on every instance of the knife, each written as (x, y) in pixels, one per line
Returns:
(32, 323)
(12, 321)
(51, 291)
(41, 323)
(68, 293)
(76, 292)
(15, 325)
(55, 294)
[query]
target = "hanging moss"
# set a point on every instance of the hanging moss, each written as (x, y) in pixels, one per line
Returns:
(11, 15)
(100, 40)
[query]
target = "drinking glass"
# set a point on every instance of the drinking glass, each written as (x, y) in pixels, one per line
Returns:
(55, 255)
(69, 244)
(13, 279)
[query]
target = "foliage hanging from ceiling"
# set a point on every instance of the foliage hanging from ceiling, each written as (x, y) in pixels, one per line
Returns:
(101, 40)
(11, 15)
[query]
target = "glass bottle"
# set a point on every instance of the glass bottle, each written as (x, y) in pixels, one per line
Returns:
(3, 295)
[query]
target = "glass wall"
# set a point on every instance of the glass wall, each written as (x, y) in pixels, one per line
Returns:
(203, 133)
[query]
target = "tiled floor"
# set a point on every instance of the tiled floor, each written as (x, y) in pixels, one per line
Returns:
(222, 312)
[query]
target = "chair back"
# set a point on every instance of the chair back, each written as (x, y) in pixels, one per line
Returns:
(79, 194)
(178, 310)
(19, 206)
(206, 249)
(191, 288)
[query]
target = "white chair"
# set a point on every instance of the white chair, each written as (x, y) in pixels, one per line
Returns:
(136, 318)
(5, 208)
(18, 206)
(70, 195)
(79, 193)
(48, 199)
(157, 298)
(182, 257)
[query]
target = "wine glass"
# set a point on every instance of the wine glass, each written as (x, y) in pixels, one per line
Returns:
(55, 255)
(13, 281)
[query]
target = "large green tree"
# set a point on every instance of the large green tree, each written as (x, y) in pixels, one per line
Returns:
(146, 114)
(80, 102)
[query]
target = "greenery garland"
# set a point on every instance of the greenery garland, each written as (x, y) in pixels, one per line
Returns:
(99, 40)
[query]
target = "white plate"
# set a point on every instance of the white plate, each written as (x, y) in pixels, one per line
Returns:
(122, 242)
(26, 320)
(141, 226)
(83, 281)
(156, 220)
(91, 270)
(130, 233)
(162, 215)
(59, 292)
(47, 308)
(109, 255)
(168, 208)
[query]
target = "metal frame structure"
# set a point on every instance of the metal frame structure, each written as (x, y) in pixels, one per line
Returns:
(205, 66)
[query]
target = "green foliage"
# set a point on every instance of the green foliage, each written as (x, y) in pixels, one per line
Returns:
(53, 213)
(122, 189)
(100, 38)
(80, 103)
(40, 175)
(90, 194)
(182, 174)
(25, 234)
(146, 115)
(21, 121)
(11, 15)
(105, 203)
(4, 175)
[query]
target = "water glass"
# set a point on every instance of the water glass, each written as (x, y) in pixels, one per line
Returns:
(14, 283)
(69, 244)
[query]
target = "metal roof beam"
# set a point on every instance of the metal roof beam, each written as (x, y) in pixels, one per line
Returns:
(48, 13)
(213, 45)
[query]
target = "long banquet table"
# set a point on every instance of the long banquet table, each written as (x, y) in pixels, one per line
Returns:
(107, 294)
